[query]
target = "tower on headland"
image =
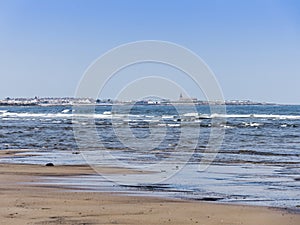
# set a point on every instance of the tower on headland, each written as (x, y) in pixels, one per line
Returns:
(186, 99)
(180, 96)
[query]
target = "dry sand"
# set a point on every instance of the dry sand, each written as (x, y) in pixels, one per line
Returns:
(24, 202)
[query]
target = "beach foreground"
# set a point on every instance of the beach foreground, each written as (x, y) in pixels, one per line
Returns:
(23, 201)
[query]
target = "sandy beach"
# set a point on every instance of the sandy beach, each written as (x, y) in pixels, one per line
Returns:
(149, 112)
(24, 201)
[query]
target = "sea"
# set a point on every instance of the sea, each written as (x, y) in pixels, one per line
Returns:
(256, 160)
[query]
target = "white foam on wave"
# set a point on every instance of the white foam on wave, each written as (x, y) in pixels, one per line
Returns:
(253, 124)
(109, 115)
(96, 116)
(261, 116)
(167, 117)
(173, 125)
(54, 115)
(230, 115)
(10, 119)
(149, 116)
(193, 114)
(56, 121)
(28, 115)
(65, 111)
(151, 121)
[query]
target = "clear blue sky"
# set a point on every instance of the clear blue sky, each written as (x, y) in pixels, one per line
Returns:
(253, 47)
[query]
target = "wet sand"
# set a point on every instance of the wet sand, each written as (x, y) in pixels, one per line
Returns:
(23, 201)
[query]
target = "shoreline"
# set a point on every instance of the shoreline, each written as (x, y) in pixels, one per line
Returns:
(32, 162)
(23, 201)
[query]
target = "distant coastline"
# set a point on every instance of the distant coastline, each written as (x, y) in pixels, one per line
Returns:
(69, 101)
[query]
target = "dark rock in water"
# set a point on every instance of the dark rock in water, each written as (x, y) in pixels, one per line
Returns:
(297, 179)
(210, 199)
(49, 164)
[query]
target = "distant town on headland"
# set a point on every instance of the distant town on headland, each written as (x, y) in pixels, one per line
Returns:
(48, 101)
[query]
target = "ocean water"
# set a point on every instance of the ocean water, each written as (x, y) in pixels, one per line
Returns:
(258, 161)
